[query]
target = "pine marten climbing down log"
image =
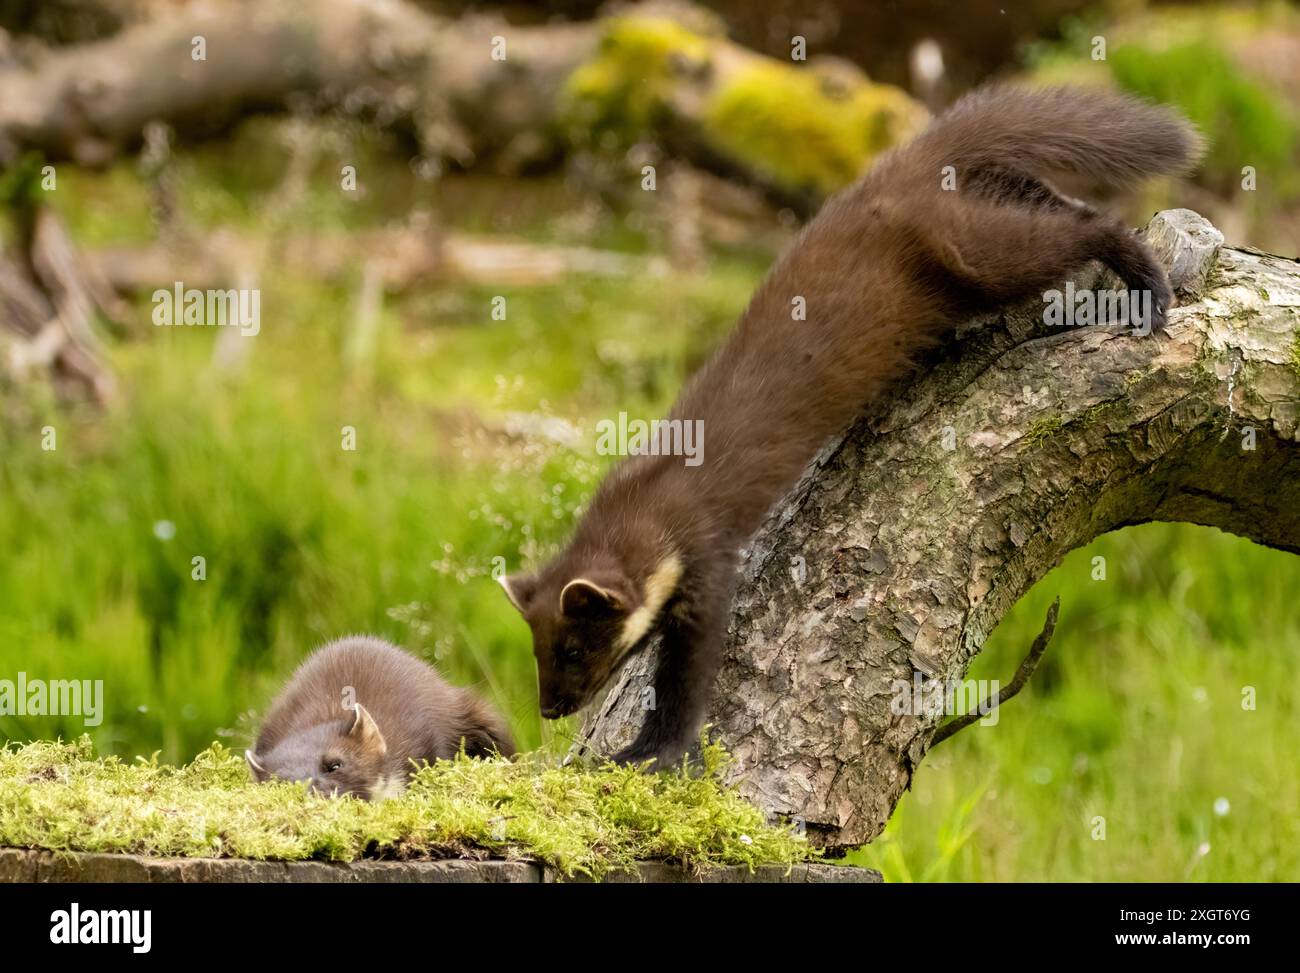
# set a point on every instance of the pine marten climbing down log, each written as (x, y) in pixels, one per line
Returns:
(883, 273)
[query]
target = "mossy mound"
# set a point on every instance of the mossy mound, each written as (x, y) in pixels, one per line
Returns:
(591, 821)
(621, 91)
(806, 130)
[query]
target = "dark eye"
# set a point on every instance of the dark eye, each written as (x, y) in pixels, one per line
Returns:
(570, 650)
(329, 766)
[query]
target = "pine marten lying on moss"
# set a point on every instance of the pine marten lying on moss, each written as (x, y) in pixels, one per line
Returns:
(360, 715)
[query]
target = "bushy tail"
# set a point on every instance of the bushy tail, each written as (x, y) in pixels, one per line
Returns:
(480, 727)
(1116, 140)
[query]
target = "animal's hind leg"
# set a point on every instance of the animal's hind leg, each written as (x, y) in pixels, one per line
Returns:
(1114, 245)
(1007, 184)
(1008, 253)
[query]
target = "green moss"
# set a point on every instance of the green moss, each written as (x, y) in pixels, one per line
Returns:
(622, 89)
(801, 131)
(20, 184)
(797, 128)
(1043, 429)
(591, 821)
(1095, 413)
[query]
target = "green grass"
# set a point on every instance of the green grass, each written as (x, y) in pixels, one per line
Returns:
(583, 821)
(1134, 715)
(1203, 59)
(1243, 122)
(303, 540)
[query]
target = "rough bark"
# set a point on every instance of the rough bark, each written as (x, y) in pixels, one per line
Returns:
(657, 74)
(895, 555)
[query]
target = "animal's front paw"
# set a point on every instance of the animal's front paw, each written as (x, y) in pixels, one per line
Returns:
(663, 755)
(1162, 299)
(637, 753)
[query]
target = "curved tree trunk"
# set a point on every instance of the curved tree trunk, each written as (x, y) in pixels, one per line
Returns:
(907, 541)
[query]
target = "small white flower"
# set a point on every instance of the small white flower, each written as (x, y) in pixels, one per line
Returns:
(746, 839)
(1222, 807)
(1200, 695)
(164, 530)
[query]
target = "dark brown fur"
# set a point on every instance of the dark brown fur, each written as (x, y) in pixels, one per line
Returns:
(407, 713)
(886, 269)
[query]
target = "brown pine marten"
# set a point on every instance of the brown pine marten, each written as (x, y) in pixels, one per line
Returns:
(882, 274)
(357, 713)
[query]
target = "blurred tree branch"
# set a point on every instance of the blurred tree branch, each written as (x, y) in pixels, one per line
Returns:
(70, 21)
(465, 91)
(49, 296)
(402, 256)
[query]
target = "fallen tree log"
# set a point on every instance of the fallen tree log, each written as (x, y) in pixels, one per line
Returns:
(31, 865)
(465, 91)
(402, 256)
(69, 21)
(908, 540)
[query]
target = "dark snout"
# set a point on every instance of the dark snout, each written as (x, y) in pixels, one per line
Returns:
(556, 701)
(563, 691)
(554, 709)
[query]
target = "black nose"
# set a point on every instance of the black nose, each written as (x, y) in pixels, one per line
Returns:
(562, 706)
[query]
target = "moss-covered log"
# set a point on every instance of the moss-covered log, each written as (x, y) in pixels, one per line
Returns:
(907, 541)
(573, 821)
(467, 91)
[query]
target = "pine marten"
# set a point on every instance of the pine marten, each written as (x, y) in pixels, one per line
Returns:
(360, 714)
(884, 272)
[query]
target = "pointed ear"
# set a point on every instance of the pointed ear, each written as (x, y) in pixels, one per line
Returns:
(365, 732)
(519, 589)
(260, 773)
(583, 598)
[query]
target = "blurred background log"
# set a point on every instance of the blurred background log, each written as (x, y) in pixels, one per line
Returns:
(473, 91)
